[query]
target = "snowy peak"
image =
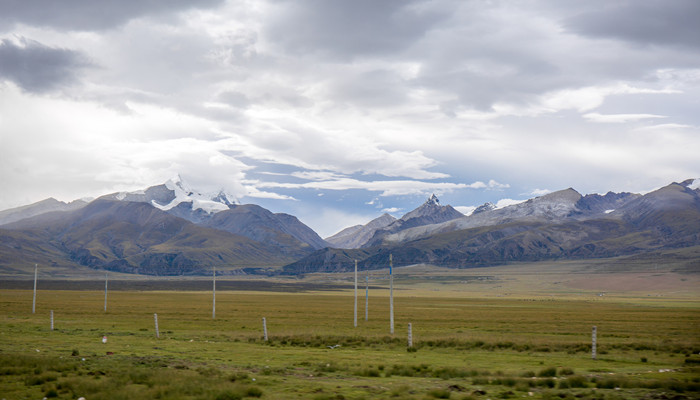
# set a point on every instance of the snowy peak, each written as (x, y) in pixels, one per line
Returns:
(484, 208)
(210, 203)
(177, 198)
(430, 212)
(432, 208)
(433, 200)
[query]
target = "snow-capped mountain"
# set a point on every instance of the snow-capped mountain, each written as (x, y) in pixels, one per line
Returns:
(553, 206)
(222, 211)
(428, 213)
(177, 198)
(663, 224)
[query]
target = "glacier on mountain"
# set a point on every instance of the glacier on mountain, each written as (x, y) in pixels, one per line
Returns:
(200, 201)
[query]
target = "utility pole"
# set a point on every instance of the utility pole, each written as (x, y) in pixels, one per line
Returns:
(367, 296)
(36, 266)
(213, 306)
(105, 292)
(391, 293)
(355, 293)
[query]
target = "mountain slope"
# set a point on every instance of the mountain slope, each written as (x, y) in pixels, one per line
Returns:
(220, 210)
(134, 237)
(38, 208)
(283, 231)
(555, 206)
(356, 236)
(430, 212)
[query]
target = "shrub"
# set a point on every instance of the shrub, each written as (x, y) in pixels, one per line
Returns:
(440, 393)
(566, 371)
(547, 372)
(253, 392)
(229, 395)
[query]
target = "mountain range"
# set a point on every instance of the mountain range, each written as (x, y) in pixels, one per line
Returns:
(167, 229)
(171, 229)
(559, 225)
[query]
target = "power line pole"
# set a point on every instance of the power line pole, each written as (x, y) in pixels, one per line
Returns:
(36, 266)
(355, 293)
(105, 292)
(213, 306)
(367, 296)
(391, 293)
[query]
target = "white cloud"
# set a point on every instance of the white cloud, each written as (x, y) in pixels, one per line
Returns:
(425, 95)
(329, 221)
(663, 127)
(466, 210)
(391, 210)
(387, 188)
(540, 192)
(619, 118)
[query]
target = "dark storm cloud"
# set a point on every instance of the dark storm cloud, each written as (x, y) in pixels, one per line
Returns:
(348, 29)
(88, 14)
(38, 68)
(655, 22)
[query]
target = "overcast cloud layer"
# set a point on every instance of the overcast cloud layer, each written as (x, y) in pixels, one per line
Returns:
(337, 111)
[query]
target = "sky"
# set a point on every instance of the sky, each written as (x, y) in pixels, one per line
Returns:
(338, 111)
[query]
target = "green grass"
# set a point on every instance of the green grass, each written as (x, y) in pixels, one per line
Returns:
(464, 347)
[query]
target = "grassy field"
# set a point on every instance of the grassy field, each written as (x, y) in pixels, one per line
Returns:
(491, 339)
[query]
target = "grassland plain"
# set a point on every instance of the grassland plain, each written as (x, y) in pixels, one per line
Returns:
(478, 334)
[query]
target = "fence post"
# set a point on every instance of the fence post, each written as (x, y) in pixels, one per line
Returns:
(51, 319)
(410, 335)
(265, 328)
(155, 318)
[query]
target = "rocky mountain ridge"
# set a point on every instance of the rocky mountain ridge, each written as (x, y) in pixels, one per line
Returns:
(560, 225)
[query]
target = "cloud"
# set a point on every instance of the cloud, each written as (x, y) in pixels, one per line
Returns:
(387, 188)
(540, 192)
(87, 14)
(466, 210)
(342, 31)
(37, 68)
(651, 22)
(391, 210)
(664, 127)
(363, 99)
(328, 221)
(619, 118)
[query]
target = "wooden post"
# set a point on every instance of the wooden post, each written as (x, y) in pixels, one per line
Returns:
(355, 313)
(367, 296)
(105, 292)
(594, 343)
(213, 305)
(265, 329)
(51, 319)
(155, 318)
(391, 294)
(410, 335)
(34, 296)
